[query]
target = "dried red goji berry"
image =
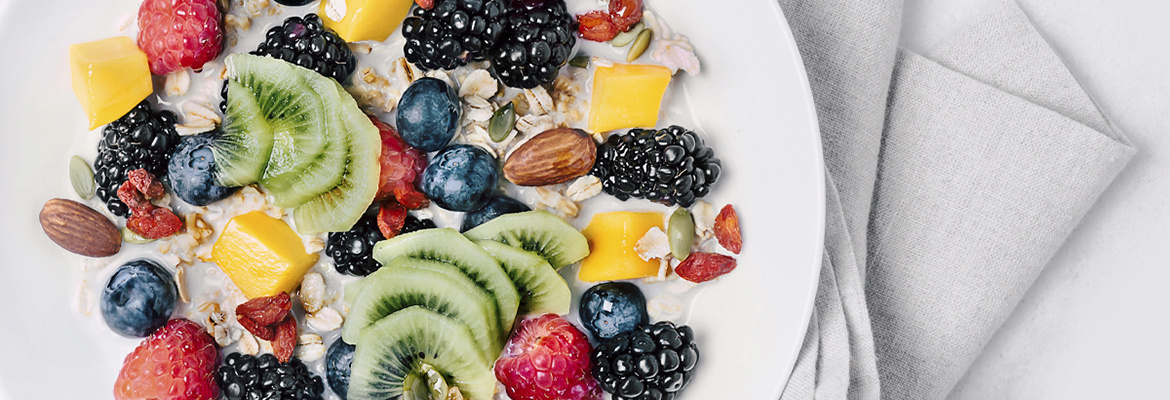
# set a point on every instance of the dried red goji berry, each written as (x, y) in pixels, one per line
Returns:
(411, 198)
(425, 4)
(597, 26)
(625, 13)
(702, 267)
(260, 331)
(157, 223)
(391, 218)
(286, 339)
(146, 183)
(266, 310)
(134, 200)
(727, 229)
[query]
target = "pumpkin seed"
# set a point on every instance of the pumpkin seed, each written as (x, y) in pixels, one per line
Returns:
(81, 176)
(624, 38)
(640, 45)
(581, 61)
(502, 123)
(130, 236)
(681, 231)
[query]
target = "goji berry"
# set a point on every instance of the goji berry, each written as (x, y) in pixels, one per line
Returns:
(727, 229)
(260, 331)
(597, 26)
(625, 13)
(702, 267)
(146, 183)
(157, 223)
(286, 339)
(425, 4)
(266, 310)
(135, 201)
(391, 218)
(411, 198)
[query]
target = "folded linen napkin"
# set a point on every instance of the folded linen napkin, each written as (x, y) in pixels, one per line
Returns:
(952, 179)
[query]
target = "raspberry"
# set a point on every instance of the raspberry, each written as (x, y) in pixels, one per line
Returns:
(702, 267)
(727, 229)
(177, 362)
(177, 34)
(597, 26)
(625, 13)
(547, 358)
(401, 167)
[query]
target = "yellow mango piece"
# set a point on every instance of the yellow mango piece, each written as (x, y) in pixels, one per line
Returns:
(110, 77)
(612, 237)
(627, 96)
(364, 19)
(261, 254)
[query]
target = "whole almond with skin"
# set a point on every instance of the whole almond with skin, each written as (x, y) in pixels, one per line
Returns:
(554, 156)
(80, 229)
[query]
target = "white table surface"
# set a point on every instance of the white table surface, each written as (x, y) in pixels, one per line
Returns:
(1096, 324)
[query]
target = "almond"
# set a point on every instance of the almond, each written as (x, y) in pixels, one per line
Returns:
(80, 229)
(554, 156)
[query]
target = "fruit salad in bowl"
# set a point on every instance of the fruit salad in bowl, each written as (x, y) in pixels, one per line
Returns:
(372, 199)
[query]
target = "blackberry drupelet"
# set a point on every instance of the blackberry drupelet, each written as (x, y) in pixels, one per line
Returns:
(654, 362)
(538, 39)
(143, 138)
(249, 377)
(453, 32)
(668, 166)
(307, 43)
(353, 250)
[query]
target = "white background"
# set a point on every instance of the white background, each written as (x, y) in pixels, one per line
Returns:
(1097, 323)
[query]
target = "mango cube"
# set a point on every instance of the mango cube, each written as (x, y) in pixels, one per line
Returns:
(627, 96)
(110, 77)
(364, 19)
(261, 254)
(612, 237)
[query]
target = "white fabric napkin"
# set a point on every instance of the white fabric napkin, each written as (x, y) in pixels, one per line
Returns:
(953, 178)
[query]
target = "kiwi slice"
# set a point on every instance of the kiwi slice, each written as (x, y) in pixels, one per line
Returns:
(539, 232)
(339, 208)
(440, 287)
(291, 106)
(542, 289)
(242, 149)
(448, 246)
(398, 346)
(324, 172)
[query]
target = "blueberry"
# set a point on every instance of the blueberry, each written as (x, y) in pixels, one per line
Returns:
(192, 170)
(496, 206)
(337, 362)
(428, 114)
(612, 308)
(461, 178)
(139, 298)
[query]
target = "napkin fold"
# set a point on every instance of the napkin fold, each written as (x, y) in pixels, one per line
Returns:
(987, 155)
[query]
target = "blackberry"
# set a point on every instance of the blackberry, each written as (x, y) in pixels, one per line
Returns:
(308, 43)
(143, 138)
(249, 377)
(668, 166)
(352, 250)
(453, 32)
(654, 362)
(537, 42)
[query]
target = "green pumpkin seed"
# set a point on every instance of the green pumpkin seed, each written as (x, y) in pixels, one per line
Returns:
(640, 45)
(81, 176)
(627, 37)
(581, 61)
(681, 231)
(130, 236)
(502, 123)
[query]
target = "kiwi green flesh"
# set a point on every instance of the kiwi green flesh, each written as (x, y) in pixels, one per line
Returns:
(542, 289)
(536, 231)
(439, 287)
(242, 149)
(339, 208)
(291, 106)
(324, 172)
(398, 344)
(447, 245)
